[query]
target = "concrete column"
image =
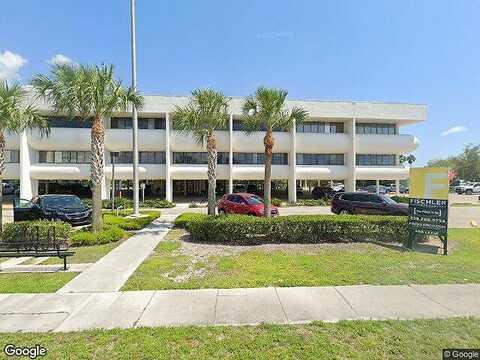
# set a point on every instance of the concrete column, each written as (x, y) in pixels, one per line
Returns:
(28, 186)
(230, 155)
(397, 163)
(168, 179)
(377, 184)
(350, 182)
(292, 166)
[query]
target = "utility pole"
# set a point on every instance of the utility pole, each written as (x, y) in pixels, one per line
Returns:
(136, 206)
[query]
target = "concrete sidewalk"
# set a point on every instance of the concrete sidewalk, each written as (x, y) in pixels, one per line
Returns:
(64, 312)
(113, 270)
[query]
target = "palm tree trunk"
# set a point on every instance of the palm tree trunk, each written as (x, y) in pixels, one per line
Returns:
(268, 141)
(212, 173)
(2, 169)
(96, 171)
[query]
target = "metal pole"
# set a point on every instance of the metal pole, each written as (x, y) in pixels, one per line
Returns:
(112, 154)
(136, 206)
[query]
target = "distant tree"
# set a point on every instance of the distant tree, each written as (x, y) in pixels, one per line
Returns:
(410, 159)
(466, 164)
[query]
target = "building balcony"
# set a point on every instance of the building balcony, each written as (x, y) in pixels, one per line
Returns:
(316, 143)
(381, 172)
(386, 144)
(196, 172)
(60, 171)
(322, 172)
(122, 140)
(145, 171)
(180, 142)
(254, 142)
(257, 172)
(61, 139)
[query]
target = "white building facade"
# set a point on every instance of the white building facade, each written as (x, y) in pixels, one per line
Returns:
(340, 141)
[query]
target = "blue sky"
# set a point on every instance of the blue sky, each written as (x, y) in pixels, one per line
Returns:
(402, 51)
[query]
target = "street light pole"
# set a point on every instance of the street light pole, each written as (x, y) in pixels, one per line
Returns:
(136, 206)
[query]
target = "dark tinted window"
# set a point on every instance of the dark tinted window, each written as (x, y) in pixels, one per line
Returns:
(144, 157)
(375, 199)
(259, 158)
(69, 122)
(320, 159)
(375, 160)
(375, 129)
(320, 127)
(143, 123)
(361, 197)
(238, 126)
(230, 197)
(61, 201)
(347, 197)
(198, 158)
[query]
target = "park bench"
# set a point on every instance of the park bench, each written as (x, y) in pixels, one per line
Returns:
(34, 244)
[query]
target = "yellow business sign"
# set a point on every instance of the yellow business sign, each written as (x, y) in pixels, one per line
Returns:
(429, 183)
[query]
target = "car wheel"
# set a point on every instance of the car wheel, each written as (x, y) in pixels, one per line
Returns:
(469, 192)
(345, 212)
(222, 212)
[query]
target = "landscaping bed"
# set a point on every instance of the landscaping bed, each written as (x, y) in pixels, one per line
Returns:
(419, 339)
(178, 263)
(248, 230)
(126, 203)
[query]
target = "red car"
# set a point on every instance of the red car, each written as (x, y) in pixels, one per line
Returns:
(244, 204)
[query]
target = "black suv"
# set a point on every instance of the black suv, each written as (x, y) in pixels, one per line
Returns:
(68, 208)
(367, 204)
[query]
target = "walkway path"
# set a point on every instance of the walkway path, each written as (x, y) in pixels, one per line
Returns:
(82, 311)
(113, 270)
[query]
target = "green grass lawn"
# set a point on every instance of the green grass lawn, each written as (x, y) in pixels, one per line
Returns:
(34, 282)
(360, 263)
(345, 340)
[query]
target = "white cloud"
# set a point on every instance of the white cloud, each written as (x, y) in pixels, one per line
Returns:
(60, 59)
(454, 130)
(10, 64)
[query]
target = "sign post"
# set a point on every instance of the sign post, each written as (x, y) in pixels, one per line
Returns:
(428, 204)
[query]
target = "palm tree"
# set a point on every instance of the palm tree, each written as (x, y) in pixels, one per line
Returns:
(410, 159)
(90, 92)
(16, 115)
(267, 110)
(206, 112)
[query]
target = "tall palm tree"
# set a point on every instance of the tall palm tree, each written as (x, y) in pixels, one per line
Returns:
(206, 112)
(90, 92)
(267, 110)
(16, 115)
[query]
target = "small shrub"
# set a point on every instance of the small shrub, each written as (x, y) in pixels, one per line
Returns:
(17, 231)
(193, 205)
(313, 202)
(401, 199)
(125, 203)
(247, 230)
(157, 204)
(129, 224)
(276, 202)
(182, 220)
(87, 238)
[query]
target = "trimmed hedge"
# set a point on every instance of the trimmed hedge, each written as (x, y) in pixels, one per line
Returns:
(127, 203)
(313, 202)
(130, 223)
(182, 220)
(16, 231)
(247, 230)
(107, 235)
(401, 199)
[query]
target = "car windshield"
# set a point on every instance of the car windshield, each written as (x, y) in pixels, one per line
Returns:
(62, 201)
(389, 200)
(254, 200)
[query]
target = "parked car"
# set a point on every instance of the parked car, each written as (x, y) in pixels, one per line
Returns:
(323, 192)
(373, 189)
(68, 208)
(468, 188)
(244, 204)
(8, 189)
(402, 188)
(367, 204)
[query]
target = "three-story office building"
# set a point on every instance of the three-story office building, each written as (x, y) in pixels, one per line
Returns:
(340, 141)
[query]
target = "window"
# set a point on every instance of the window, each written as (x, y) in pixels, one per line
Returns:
(198, 158)
(238, 126)
(320, 127)
(375, 199)
(64, 157)
(143, 123)
(320, 159)
(12, 156)
(259, 158)
(69, 122)
(375, 160)
(375, 129)
(144, 157)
